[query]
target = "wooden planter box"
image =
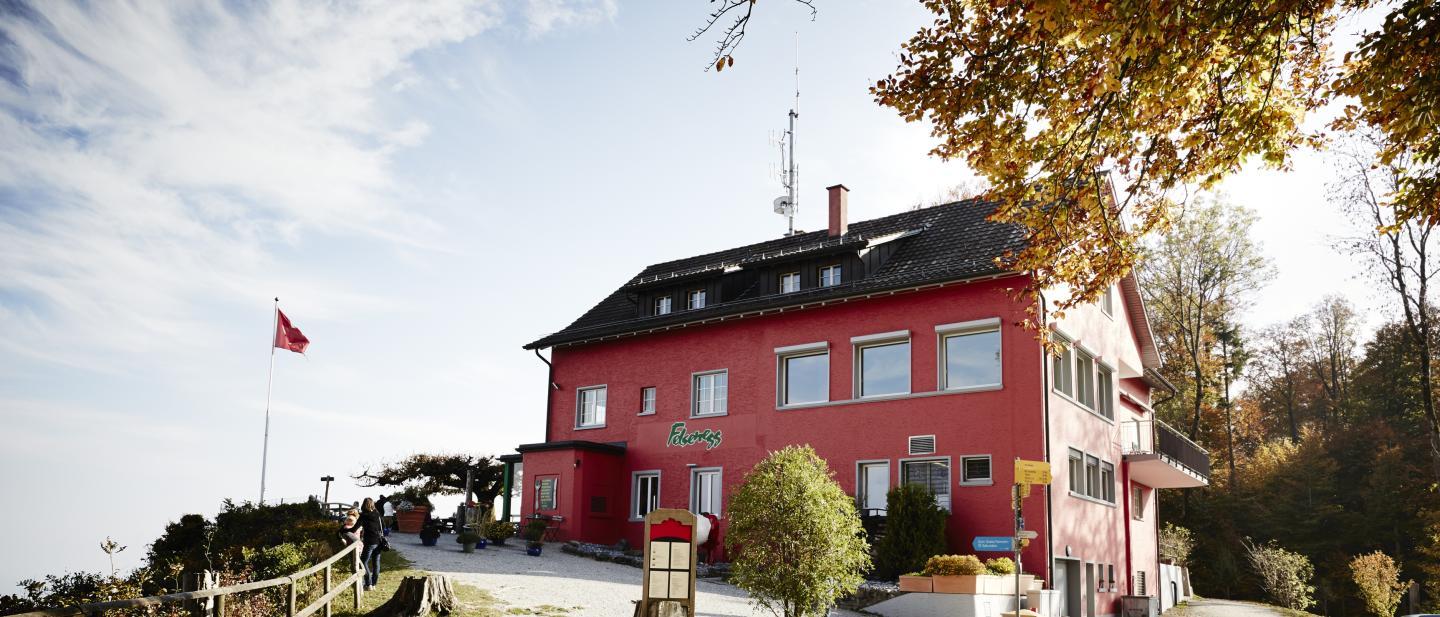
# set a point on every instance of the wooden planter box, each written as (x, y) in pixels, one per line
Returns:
(919, 584)
(981, 583)
(410, 521)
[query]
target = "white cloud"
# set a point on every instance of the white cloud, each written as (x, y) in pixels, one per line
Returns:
(542, 16)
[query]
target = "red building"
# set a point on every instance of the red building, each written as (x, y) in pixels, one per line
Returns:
(891, 346)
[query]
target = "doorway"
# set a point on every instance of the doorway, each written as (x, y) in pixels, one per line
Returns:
(1090, 584)
(1068, 583)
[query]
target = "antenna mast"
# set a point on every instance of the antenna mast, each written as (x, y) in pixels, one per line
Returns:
(787, 204)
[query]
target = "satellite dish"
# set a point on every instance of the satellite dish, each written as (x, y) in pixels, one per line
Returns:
(783, 205)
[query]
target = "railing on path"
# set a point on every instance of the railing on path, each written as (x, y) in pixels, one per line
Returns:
(217, 609)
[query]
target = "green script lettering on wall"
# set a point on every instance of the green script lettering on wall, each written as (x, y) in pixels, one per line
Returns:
(679, 437)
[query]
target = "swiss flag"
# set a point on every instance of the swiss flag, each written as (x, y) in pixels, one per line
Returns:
(288, 336)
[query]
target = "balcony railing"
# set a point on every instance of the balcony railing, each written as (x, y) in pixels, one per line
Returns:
(1156, 437)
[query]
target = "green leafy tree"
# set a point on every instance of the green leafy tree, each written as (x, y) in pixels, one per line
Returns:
(795, 535)
(1378, 579)
(423, 475)
(914, 531)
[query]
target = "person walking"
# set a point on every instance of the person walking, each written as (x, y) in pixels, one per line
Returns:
(387, 512)
(372, 537)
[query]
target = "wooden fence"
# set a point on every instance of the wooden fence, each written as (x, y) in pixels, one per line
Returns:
(217, 607)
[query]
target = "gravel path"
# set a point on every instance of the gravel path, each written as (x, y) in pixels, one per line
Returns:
(584, 587)
(1204, 607)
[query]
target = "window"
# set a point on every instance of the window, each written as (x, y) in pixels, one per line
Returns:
(971, 359)
(830, 275)
(1092, 475)
(805, 378)
(1105, 392)
(696, 299)
(662, 305)
(884, 368)
(545, 493)
(1107, 301)
(1107, 482)
(708, 394)
(1110, 568)
(644, 493)
(705, 491)
(874, 485)
(934, 475)
(789, 282)
(1085, 379)
(1061, 377)
(647, 400)
(975, 470)
(1077, 472)
(1137, 503)
(590, 407)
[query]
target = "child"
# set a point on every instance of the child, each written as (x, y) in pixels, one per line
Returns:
(350, 537)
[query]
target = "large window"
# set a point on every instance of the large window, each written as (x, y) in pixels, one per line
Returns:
(1091, 477)
(805, 377)
(590, 407)
(645, 493)
(1061, 369)
(1105, 392)
(933, 474)
(975, 470)
(884, 368)
(970, 357)
(696, 299)
(709, 392)
(1077, 471)
(647, 400)
(705, 491)
(874, 485)
(662, 305)
(830, 275)
(545, 493)
(789, 282)
(1085, 379)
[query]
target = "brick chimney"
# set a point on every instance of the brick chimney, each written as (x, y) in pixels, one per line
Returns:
(839, 204)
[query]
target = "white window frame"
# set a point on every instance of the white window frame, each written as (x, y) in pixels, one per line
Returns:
(664, 302)
(1137, 502)
(690, 299)
(1107, 301)
(1105, 390)
(950, 493)
(719, 489)
(965, 479)
(635, 493)
(648, 394)
(964, 328)
(1107, 486)
(554, 492)
(883, 339)
(695, 395)
(1065, 363)
(1084, 378)
(1077, 481)
(831, 275)
(600, 406)
(860, 480)
(789, 276)
(790, 352)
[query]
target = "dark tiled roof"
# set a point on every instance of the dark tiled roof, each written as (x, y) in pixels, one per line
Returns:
(954, 241)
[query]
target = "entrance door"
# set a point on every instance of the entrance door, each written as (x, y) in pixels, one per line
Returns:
(1062, 587)
(1090, 584)
(874, 485)
(1069, 582)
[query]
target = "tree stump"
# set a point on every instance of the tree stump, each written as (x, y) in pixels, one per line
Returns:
(417, 597)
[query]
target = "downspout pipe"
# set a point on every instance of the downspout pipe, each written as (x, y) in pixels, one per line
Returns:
(550, 388)
(1045, 403)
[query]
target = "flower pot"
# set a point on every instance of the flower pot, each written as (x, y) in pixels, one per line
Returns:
(533, 551)
(468, 547)
(410, 521)
(428, 541)
(919, 584)
(482, 543)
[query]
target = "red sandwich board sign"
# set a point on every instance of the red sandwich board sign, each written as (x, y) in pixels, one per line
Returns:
(669, 562)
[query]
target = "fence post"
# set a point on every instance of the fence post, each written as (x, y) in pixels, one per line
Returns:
(327, 591)
(360, 580)
(220, 605)
(290, 609)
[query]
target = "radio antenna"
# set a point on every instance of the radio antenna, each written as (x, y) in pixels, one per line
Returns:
(786, 205)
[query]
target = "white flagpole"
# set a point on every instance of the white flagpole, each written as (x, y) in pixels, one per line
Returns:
(265, 451)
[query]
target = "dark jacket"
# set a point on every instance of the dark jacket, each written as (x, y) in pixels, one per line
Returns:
(370, 526)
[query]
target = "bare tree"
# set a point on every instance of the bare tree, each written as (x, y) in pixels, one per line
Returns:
(1399, 254)
(1275, 372)
(1330, 353)
(737, 12)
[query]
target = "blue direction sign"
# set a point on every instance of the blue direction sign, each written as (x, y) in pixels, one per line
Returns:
(993, 544)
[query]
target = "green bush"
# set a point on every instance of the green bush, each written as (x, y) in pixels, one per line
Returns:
(914, 531)
(1000, 565)
(795, 536)
(499, 531)
(1378, 578)
(535, 531)
(1176, 543)
(468, 537)
(1284, 575)
(954, 565)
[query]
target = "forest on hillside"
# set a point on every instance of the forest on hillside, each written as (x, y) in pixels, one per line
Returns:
(1321, 432)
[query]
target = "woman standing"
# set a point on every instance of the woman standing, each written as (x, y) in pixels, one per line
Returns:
(370, 536)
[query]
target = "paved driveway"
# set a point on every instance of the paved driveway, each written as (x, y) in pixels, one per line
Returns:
(1204, 607)
(582, 587)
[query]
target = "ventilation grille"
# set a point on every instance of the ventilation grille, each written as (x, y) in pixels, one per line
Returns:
(922, 444)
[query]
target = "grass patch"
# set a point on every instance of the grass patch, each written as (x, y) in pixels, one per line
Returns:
(473, 602)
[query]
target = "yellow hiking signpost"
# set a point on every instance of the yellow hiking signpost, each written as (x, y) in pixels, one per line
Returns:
(1026, 474)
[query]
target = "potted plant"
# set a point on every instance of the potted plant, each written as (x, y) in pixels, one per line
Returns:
(468, 539)
(410, 515)
(534, 534)
(498, 532)
(955, 573)
(429, 533)
(916, 582)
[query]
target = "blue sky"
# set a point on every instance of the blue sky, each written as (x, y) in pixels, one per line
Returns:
(426, 188)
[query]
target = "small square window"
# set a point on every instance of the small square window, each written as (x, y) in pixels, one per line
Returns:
(647, 401)
(696, 299)
(975, 470)
(789, 282)
(709, 394)
(662, 305)
(830, 275)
